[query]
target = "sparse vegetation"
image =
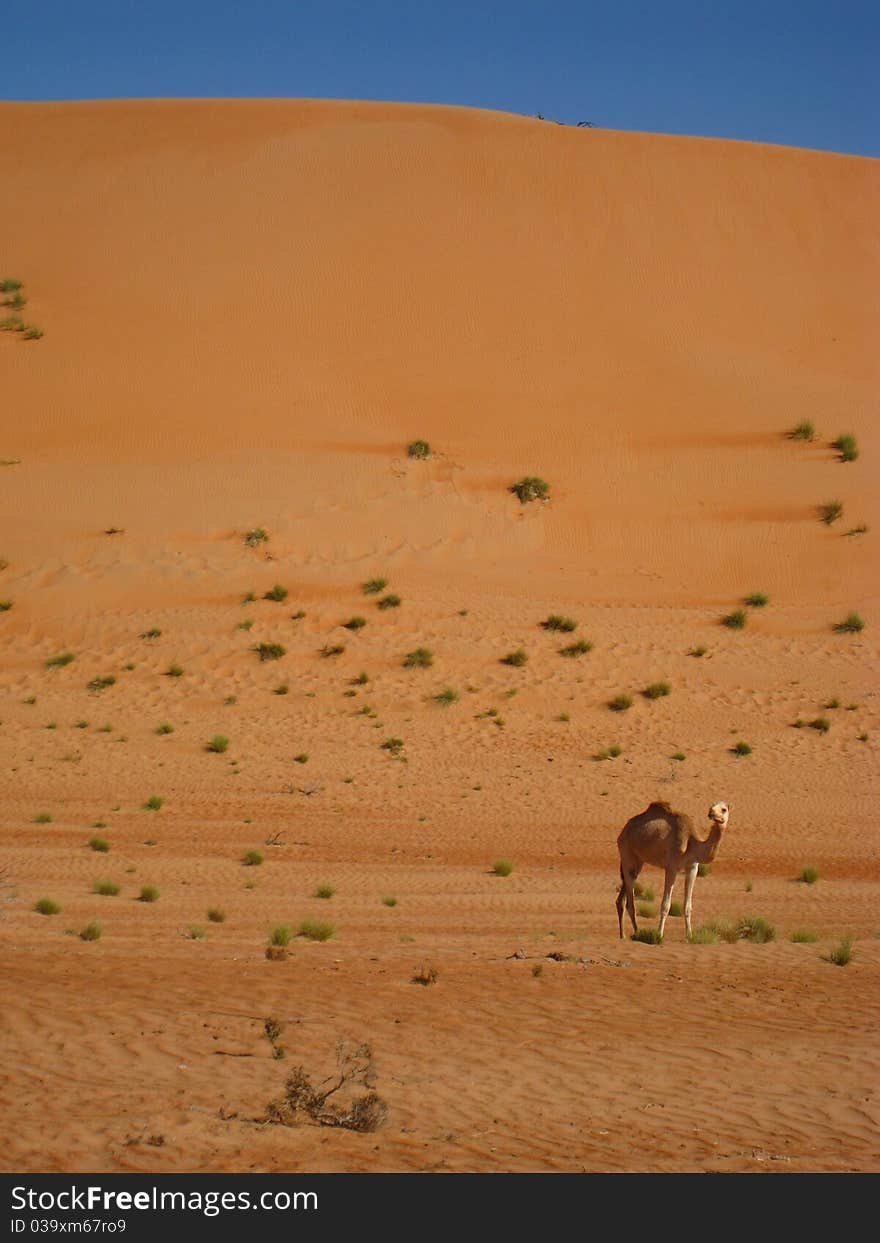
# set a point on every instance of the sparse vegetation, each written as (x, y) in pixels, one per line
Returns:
(301, 1098)
(704, 869)
(280, 935)
(324, 891)
(389, 602)
(675, 910)
(394, 745)
(301, 758)
(174, 671)
(10, 284)
(256, 537)
(373, 586)
(59, 661)
(646, 910)
(332, 649)
(557, 622)
(277, 593)
(859, 530)
(216, 915)
(425, 975)
(153, 803)
(99, 844)
(847, 447)
(620, 703)
(804, 936)
(502, 867)
(757, 600)
(851, 624)
(809, 875)
(153, 633)
(418, 449)
(43, 817)
(46, 906)
(282, 689)
(30, 332)
(106, 888)
(735, 620)
(270, 651)
(252, 858)
(91, 932)
(531, 488)
(697, 651)
(361, 680)
(830, 512)
(101, 684)
(218, 744)
(802, 431)
(579, 648)
(421, 658)
(165, 727)
(842, 954)
(741, 748)
(5, 606)
(148, 893)
(755, 928)
(355, 623)
(648, 936)
(657, 690)
(315, 930)
(446, 697)
(389, 901)
(821, 724)
(515, 659)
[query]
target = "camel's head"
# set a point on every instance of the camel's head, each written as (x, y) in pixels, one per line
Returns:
(719, 813)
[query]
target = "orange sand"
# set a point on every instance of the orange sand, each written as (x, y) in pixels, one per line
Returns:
(250, 308)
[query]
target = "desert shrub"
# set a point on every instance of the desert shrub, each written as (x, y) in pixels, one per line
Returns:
(280, 935)
(59, 661)
(270, 651)
(418, 449)
(842, 954)
(515, 659)
(195, 933)
(153, 633)
(315, 930)
(703, 936)
(741, 748)
(804, 936)
(675, 910)
(174, 671)
(580, 648)
(647, 910)
(389, 602)
(324, 891)
(648, 936)
(148, 893)
(255, 537)
(421, 658)
(373, 586)
(46, 906)
(557, 622)
(446, 697)
(851, 624)
(861, 529)
(106, 888)
(530, 488)
(165, 727)
(425, 975)
(847, 447)
(697, 651)
(361, 680)
(101, 683)
(246, 624)
(802, 431)
(620, 703)
(219, 743)
(16, 302)
(301, 758)
(43, 817)
(99, 844)
(11, 323)
(809, 875)
(302, 1099)
(389, 901)
(10, 284)
(723, 930)
(757, 600)
(735, 620)
(821, 724)
(394, 745)
(678, 755)
(216, 915)
(30, 332)
(282, 689)
(502, 867)
(755, 928)
(355, 623)
(830, 511)
(332, 649)
(643, 891)
(832, 704)
(252, 859)
(153, 803)
(277, 593)
(91, 932)
(657, 690)
(5, 606)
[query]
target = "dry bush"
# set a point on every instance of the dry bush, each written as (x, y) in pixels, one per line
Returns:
(354, 1066)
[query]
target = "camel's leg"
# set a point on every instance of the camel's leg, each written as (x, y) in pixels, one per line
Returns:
(628, 882)
(667, 898)
(690, 877)
(620, 903)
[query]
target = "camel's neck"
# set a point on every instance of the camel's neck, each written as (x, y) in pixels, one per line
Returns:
(705, 851)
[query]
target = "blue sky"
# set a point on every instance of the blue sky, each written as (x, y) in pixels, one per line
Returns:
(798, 72)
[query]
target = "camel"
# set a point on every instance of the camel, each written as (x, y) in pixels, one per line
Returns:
(667, 839)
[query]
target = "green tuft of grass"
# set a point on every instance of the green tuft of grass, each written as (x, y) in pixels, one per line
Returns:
(678, 755)
(10, 284)
(735, 620)
(270, 651)
(851, 624)
(802, 431)
(757, 600)
(46, 906)
(530, 488)
(394, 745)
(647, 936)
(195, 933)
(703, 936)
(148, 893)
(646, 909)
(361, 680)
(165, 727)
(174, 671)
(373, 586)
(91, 932)
(557, 622)
(389, 901)
(804, 936)
(43, 817)
(332, 649)
(153, 633)
(282, 689)
(389, 602)
(106, 888)
(219, 743)
(502, 867)
(252, 859)
(755, 928)
(301, 758)
(316, 930)
(11, 323)
(741, 748)
(821, 724)
(153, 803)
(255, 537)
(99, 844)
(5, 606)
(355, 623)
(247, 624)
(446, 697)
(809, 875)
(579, 648)
(847, 447)
(59, 661)
(280, 935)
(277, 593)
(620, 703)
(418, 449)
(30, 332)
(324, 891)
(101, 683)
(861, 529)
(515, 659)
(421, 658)
(842, 954)
(697, 651)
(643, 891)
(675, 910)
(657, 690)
(830, 511)
(216, 915)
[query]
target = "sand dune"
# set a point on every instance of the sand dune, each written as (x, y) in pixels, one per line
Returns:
(249, 310)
